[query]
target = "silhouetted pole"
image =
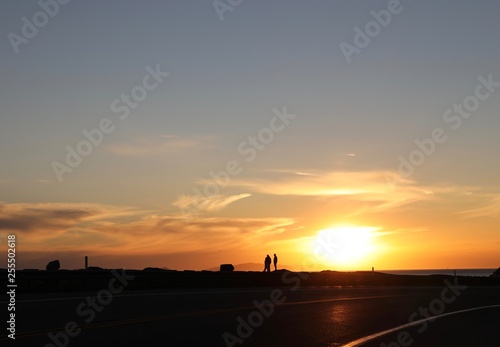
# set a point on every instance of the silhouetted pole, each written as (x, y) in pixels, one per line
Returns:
(86, 263)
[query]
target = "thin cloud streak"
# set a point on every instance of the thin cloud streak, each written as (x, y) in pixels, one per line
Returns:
(67, 227)
(490, 208)
(367, 187)
(319, 184)
(210, 204)
(56, 216)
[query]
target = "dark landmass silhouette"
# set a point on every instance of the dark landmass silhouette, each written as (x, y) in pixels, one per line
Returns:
(37, 281)
(496, 274)
(249, 267)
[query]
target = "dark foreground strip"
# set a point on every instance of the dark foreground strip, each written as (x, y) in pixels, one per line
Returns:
(363, 340)
(192, 314)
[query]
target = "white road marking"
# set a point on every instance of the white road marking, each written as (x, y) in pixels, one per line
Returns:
(363, 340)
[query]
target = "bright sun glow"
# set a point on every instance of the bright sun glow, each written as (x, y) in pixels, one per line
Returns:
(345, 246)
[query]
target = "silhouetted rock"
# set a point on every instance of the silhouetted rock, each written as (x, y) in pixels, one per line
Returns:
(226, 268)
(496, 274)
(53, 265)
(154, 269)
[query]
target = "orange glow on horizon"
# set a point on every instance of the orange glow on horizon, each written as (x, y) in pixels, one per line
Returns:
(345, 246)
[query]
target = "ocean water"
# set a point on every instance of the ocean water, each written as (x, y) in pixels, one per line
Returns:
(460, 272)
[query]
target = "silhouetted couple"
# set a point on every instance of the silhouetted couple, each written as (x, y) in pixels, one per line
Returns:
(267, 263)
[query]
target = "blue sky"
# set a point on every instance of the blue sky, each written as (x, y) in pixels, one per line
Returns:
(226, 77)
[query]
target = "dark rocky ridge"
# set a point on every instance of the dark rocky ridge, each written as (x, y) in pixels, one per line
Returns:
(159, 279)
(496, 274)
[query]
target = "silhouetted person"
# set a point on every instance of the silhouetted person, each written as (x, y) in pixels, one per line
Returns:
(275, 262)
(267, 264)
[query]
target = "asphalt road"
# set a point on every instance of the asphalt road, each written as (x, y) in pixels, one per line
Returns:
(304, 317)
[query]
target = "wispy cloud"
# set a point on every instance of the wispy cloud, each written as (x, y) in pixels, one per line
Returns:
(368, 187)
(301, 173)
(319, 183)
(384, 232)
(209, 204)
(488, 208)
(359, 191)
(112, 229)
(55, 216)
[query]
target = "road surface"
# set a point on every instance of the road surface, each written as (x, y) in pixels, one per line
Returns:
(330, 316)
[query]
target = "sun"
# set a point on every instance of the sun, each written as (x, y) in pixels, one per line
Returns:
(345, 247)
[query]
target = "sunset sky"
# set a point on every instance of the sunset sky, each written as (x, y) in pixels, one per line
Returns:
(387, 156)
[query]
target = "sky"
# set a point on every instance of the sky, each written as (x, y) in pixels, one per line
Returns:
(340, 135)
